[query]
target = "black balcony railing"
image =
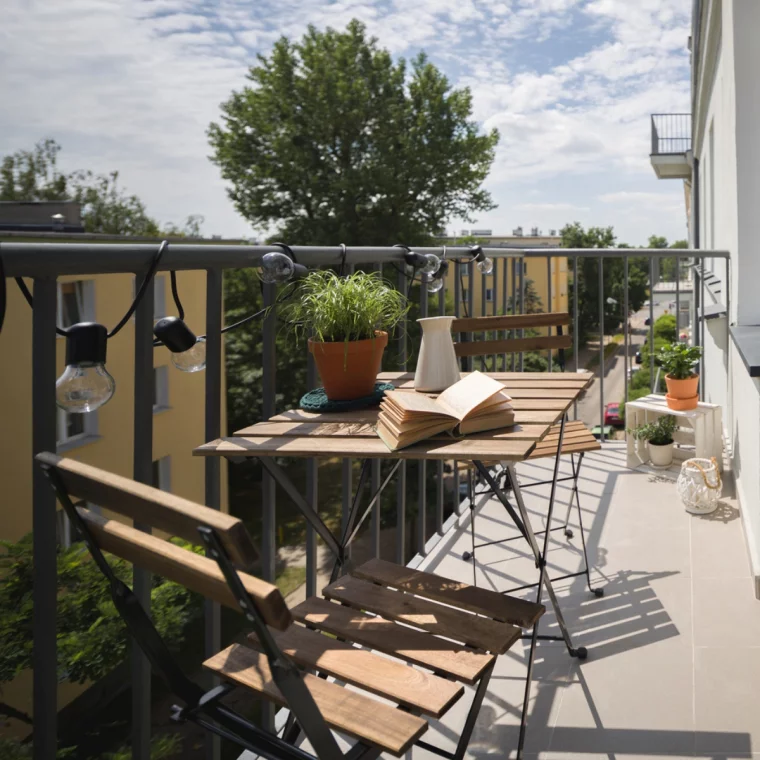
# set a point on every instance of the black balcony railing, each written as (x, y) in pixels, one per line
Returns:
(45, 262)
(671, 133)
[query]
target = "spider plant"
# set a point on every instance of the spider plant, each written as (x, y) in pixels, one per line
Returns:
(334, 309)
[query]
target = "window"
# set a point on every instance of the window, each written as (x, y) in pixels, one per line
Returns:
(76, 302)
(160, 388)
(75, 429)
(162, 474)
(489, 294)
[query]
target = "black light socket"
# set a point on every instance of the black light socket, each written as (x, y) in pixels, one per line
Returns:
(300, 272)
(413, 259)
(86, 343)
(477, 253)
(174, 334)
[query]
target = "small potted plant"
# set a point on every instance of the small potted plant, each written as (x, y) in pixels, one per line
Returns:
(659, 436)
(347, 320)
(678, 361)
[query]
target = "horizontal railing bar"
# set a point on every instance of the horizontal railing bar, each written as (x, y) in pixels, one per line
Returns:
(55, 259)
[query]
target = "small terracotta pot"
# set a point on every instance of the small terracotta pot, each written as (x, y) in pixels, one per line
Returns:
(682, 394)
(349, 370)
(682, 404)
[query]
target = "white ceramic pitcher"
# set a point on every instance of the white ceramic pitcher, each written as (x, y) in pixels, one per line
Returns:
(437, 366)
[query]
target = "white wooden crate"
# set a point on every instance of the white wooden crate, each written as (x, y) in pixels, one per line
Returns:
(700, 431)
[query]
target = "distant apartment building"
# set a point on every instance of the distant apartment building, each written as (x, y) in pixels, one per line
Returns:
(548, 275)
(102, 438)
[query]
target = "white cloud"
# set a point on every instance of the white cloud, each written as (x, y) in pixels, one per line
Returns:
(549, 207)
(133, 86)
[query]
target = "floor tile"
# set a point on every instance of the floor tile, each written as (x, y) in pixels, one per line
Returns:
(727, 685)
(726, 613)
(718, 548)
(637, 701)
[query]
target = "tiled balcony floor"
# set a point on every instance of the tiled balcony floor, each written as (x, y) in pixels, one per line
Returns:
(674, 645)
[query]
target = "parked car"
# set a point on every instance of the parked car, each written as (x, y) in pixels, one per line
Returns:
(597, 431)
(639, 358)
(612, 415)
(647, 321)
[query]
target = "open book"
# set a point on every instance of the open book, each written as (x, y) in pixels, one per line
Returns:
(474, 404)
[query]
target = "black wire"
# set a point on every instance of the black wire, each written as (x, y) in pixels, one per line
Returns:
(284, 296)
(143, 287)
(342, 270)
(411, 282)
(175, 295)
(28, 296)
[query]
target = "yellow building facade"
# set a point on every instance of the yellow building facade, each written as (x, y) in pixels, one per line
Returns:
(543, 272)
(102, 438)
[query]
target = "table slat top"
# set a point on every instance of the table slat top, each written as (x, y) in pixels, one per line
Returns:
(539, 399)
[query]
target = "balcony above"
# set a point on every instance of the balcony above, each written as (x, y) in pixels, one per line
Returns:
(671, 145)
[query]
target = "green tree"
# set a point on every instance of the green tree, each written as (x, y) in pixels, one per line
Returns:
(33, 175)
(92, 639)
(575, 236)
(665, 327)
(657, 241)
(334, 141)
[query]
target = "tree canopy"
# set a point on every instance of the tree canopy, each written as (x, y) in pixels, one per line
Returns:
(33, 175)
(333, 141)
(613, 273)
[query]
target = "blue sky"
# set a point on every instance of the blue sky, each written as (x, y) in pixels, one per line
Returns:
(133, 84)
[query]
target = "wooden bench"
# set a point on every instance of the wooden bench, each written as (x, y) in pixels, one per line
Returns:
(431, 634)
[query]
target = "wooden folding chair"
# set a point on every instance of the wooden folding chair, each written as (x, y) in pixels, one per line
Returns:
(577, 440)
(439, 633)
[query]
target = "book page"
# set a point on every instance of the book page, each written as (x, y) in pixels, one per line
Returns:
(413, 403)
(464, 397)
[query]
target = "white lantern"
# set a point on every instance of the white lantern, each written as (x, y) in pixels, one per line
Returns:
(699, 485)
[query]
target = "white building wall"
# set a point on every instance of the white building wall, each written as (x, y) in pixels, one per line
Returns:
(728, 105)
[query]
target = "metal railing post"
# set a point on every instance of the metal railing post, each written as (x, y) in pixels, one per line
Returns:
(457, 313)
(576, 331)
(522, 309)
(505, 284)
(626, 331)
(549, 307)
(601, 347)
(44, 653)
(439, 483)
(312, 496)
(212, 485)
(142, 471)
(421, 465)
(268, 491)
(375, 483)
(651, 323)
(513, 358)
(470, 304)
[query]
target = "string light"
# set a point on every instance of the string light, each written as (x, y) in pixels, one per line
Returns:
(485, 265)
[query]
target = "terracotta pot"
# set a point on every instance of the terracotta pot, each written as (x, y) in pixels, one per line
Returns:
(682, 394)
(682, 404)
(349, 370)
(661, 456)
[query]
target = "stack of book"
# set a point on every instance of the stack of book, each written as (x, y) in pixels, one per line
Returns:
(474, 404)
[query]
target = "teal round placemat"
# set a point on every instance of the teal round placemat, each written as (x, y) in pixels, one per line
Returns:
(317, 401)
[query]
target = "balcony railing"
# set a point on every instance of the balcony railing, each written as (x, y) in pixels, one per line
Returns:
(671, 133)
(45, 262)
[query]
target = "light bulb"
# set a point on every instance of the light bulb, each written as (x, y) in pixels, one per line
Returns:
(85, 384)
(192, 360)
(276, 268)
(432, 264)
(485, 266)
(188, 352)
(435, 284)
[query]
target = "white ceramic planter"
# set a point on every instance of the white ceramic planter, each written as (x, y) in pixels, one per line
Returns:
(661, 456)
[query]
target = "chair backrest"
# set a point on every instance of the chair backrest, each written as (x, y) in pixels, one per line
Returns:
(175, 516)
(512, 323)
